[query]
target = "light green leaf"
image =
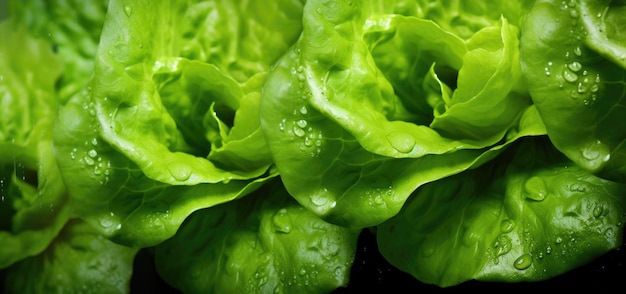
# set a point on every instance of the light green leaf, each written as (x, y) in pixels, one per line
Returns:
(341, 105)
(73, 27)
(32, 193)
(578, 92)
(78, 261)
(264, 243)
(528, 215)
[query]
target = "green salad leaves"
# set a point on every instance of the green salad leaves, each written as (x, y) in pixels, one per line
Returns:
(246, 144)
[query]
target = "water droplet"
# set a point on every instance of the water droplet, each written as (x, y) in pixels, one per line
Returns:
(109, 221)
(298, 131)
(303, 110)
(535, 188)
(523, 262)
(281, 221)
(595, 155)
(400, 141)
(502, 245)
(378, 199)
(598, 210)
(179, 171)
(578, 51)
(609, 233)
(92, 153)
(319, 200)
(428, 249)
(570, 76)
(302, 123)
(89, 160)
(506, 225)
(128, 10)
(575, 66)
(281, 125)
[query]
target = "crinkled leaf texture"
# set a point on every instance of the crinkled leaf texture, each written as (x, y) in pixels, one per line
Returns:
(263, 243)
(73, 27)
(32, 194)
(529, 215)
(79, 260)
(366, 107)
(169, 123)
(573, 58)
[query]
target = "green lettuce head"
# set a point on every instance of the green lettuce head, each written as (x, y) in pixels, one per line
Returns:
(78, 260)
(169, 122)
(528, 216)
(32, 193)
(574, 58)
(73, 29)
(273, 245)
(374, 101)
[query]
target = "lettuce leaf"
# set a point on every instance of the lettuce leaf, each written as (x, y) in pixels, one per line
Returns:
(32, 193)
(263, 243)
(79, 260)
(578, 89)
(169, 123)
(529, 216)
(341, 104)
(73, 28)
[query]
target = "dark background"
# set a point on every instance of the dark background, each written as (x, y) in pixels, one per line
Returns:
(371, 273)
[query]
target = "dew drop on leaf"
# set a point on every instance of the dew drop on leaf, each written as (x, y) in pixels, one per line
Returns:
(575, 66)
(523, 262)
(281, 221)
(598, 210)
(570, 76)
(128, 10)
(400, 141)
(506, 225)
(535, 188)
(179, 171)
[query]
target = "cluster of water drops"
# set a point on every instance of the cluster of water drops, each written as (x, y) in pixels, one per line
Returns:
(2, 193)
(563, 246)
(99, 168)
(378, 195)
(299, 275)
(583, 84)
(308, 138)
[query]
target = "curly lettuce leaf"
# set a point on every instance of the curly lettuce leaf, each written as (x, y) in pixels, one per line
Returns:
(578, 91)
(73, 28)
(164, 104)
(265, 243)
(465, 18)
(606, 28)
(115, 196)
(32, 194)
(341, 105)
(169, 123)
(528, 215)
(78, 261)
